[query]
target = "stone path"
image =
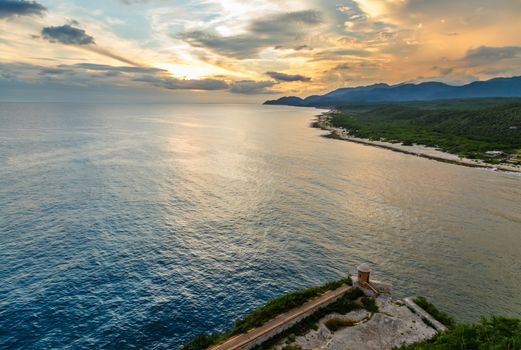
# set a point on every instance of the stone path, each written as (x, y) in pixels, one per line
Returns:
(281, 322)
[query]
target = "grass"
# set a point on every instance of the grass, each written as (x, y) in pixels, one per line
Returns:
(493, 333)
(265, 313)
(438, 315)
(457, 127)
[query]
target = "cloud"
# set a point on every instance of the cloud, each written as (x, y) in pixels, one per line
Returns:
(183, 84)
(120, 69)
(340, 54)
(90, 74)
(274, 31)
(443, 70)
(475, 11)
(67, 34)
(130, 2)
(54, 71)
(486, 54)
(240, 46)
(251, 87)
(302, 47)
(343, 66)
(287, 77)
(13, 8)
(286, 22)
(446, 71)
(160, 78)
(108, 53)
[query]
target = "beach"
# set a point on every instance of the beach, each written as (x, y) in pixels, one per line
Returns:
(323, 122)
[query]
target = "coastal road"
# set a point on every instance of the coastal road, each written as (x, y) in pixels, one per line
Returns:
(281, 322)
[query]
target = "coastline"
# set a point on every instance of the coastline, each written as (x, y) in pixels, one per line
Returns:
(322, 122)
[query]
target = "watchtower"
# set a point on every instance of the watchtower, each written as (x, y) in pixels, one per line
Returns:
(363, 275)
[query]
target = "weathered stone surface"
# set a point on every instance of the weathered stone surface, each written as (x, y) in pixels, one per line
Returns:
(393, 325)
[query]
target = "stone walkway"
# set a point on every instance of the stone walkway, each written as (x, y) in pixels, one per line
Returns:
(280, 323)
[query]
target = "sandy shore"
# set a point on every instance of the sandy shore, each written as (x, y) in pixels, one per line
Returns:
(322, 122)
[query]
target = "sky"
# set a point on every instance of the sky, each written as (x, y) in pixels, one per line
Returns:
(247, 50)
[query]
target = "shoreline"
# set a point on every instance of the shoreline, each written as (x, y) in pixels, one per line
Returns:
(322, 122)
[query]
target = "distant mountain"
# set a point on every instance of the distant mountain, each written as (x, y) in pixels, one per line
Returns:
(497, 87)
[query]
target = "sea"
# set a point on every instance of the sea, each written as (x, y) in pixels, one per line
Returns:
(138, 226)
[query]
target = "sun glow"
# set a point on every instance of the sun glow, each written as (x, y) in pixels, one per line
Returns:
(200, 71)
(187, 72)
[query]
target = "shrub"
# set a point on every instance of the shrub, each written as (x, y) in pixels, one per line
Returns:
(370, 304)
(201, 341)
(270, 310)
(434, 312)
(282, 304)
(494, 333)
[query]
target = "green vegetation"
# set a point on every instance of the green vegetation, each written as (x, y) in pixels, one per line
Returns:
(265, 313)
(202, 341)
(342, 306)
(468, 128)
(292, 347)
(440, 316)
(282, 304)
(493, 333)
(489, 334)
(370, 304)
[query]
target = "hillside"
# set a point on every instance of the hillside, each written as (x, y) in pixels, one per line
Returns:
(428, 91)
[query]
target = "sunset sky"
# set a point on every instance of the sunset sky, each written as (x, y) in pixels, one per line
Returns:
(247, 51)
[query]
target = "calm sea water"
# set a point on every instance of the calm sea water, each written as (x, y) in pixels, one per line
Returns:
(138, 226)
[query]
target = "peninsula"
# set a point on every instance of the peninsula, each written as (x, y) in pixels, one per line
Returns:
(477, 125)
(498, 149)
(356, 313)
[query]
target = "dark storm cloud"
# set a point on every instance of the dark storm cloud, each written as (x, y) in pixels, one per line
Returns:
(274, 31)
(251, 87)
(183, 84)
(12, 8)
(487, 54)
(67, 34)
(287, 77)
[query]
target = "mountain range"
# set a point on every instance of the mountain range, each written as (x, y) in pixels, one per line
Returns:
(427, 91)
